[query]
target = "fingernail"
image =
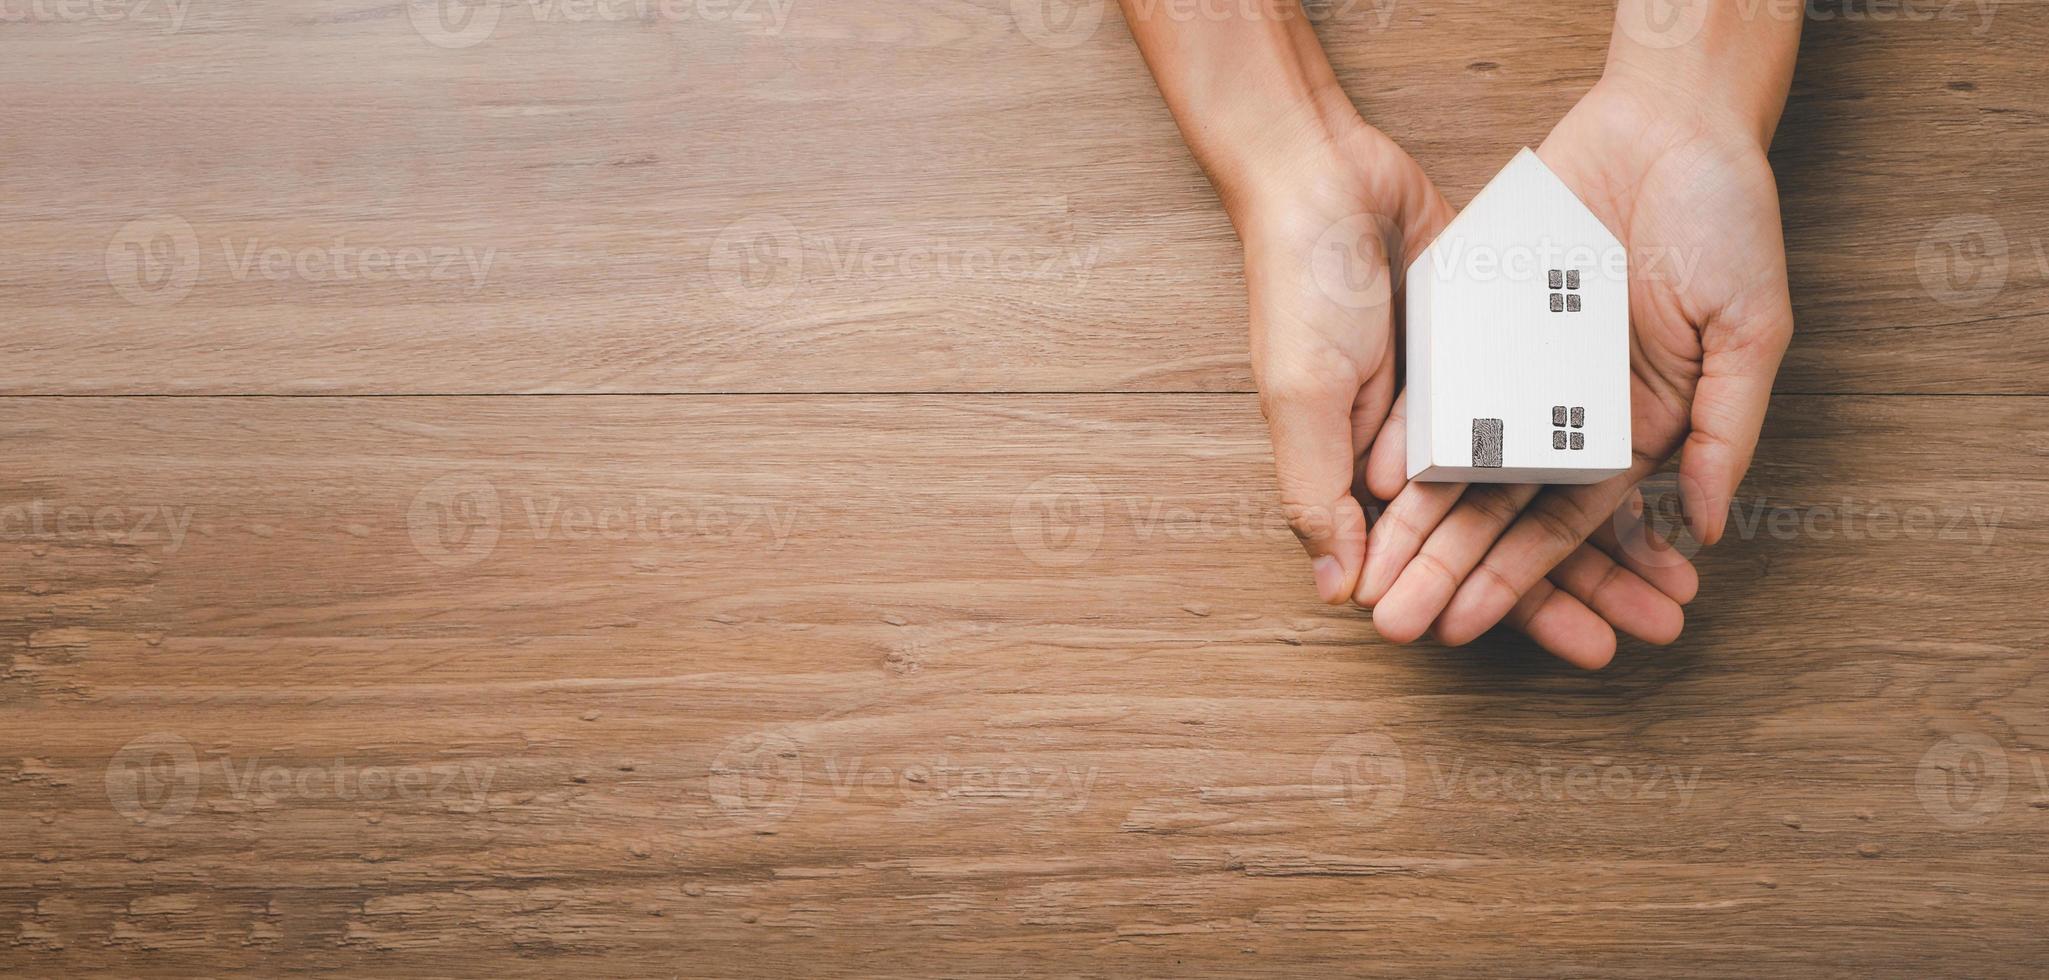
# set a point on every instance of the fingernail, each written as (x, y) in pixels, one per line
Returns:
(1330, 578)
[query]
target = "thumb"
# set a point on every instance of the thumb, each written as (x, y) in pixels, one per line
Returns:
(1309, 414)
(1728, 412)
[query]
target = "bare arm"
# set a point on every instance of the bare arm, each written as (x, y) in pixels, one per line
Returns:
(1328, 209)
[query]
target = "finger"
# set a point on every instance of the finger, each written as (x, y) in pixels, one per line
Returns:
(1369, 418)
(1561, 518)
(1618, 595)
(1428, 581)
(1308, 414)
(1387, 464)
(1728, 410)
(1627, 538)
(1404, 526)
(1564, 626)
(1557, 522)
(1423, 215)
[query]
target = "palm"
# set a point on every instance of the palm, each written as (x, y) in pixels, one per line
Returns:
(1320, 270)
(1319, 261)
(1694, 203)
(1698, 211)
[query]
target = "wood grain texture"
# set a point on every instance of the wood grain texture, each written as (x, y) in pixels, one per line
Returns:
(898, 588)
(945, 685)
(897, 196)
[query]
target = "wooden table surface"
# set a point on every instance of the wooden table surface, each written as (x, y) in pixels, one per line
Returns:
(774, 489)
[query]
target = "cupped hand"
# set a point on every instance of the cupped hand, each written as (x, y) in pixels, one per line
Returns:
(1692, 198)
(1323, 246)
(1326, 240)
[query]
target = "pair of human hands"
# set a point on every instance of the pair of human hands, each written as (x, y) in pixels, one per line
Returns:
(1691, 196)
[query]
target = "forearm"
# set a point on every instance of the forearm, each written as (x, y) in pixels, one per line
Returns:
(1250, 88)
(1730, 61)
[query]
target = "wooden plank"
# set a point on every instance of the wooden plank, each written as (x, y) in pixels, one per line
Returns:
(863, 197)
(943, 685)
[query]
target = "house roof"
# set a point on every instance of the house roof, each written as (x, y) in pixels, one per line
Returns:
(1526, 174)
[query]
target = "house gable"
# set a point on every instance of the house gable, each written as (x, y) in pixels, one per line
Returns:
(1518, 314)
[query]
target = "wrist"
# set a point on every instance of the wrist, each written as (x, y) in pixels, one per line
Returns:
(1669, 101)
(1258, 164)
(1723, 66)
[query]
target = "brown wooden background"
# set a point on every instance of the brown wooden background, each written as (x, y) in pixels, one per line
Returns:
(803, 512)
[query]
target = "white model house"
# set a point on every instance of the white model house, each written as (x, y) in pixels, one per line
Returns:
(1518, 339)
